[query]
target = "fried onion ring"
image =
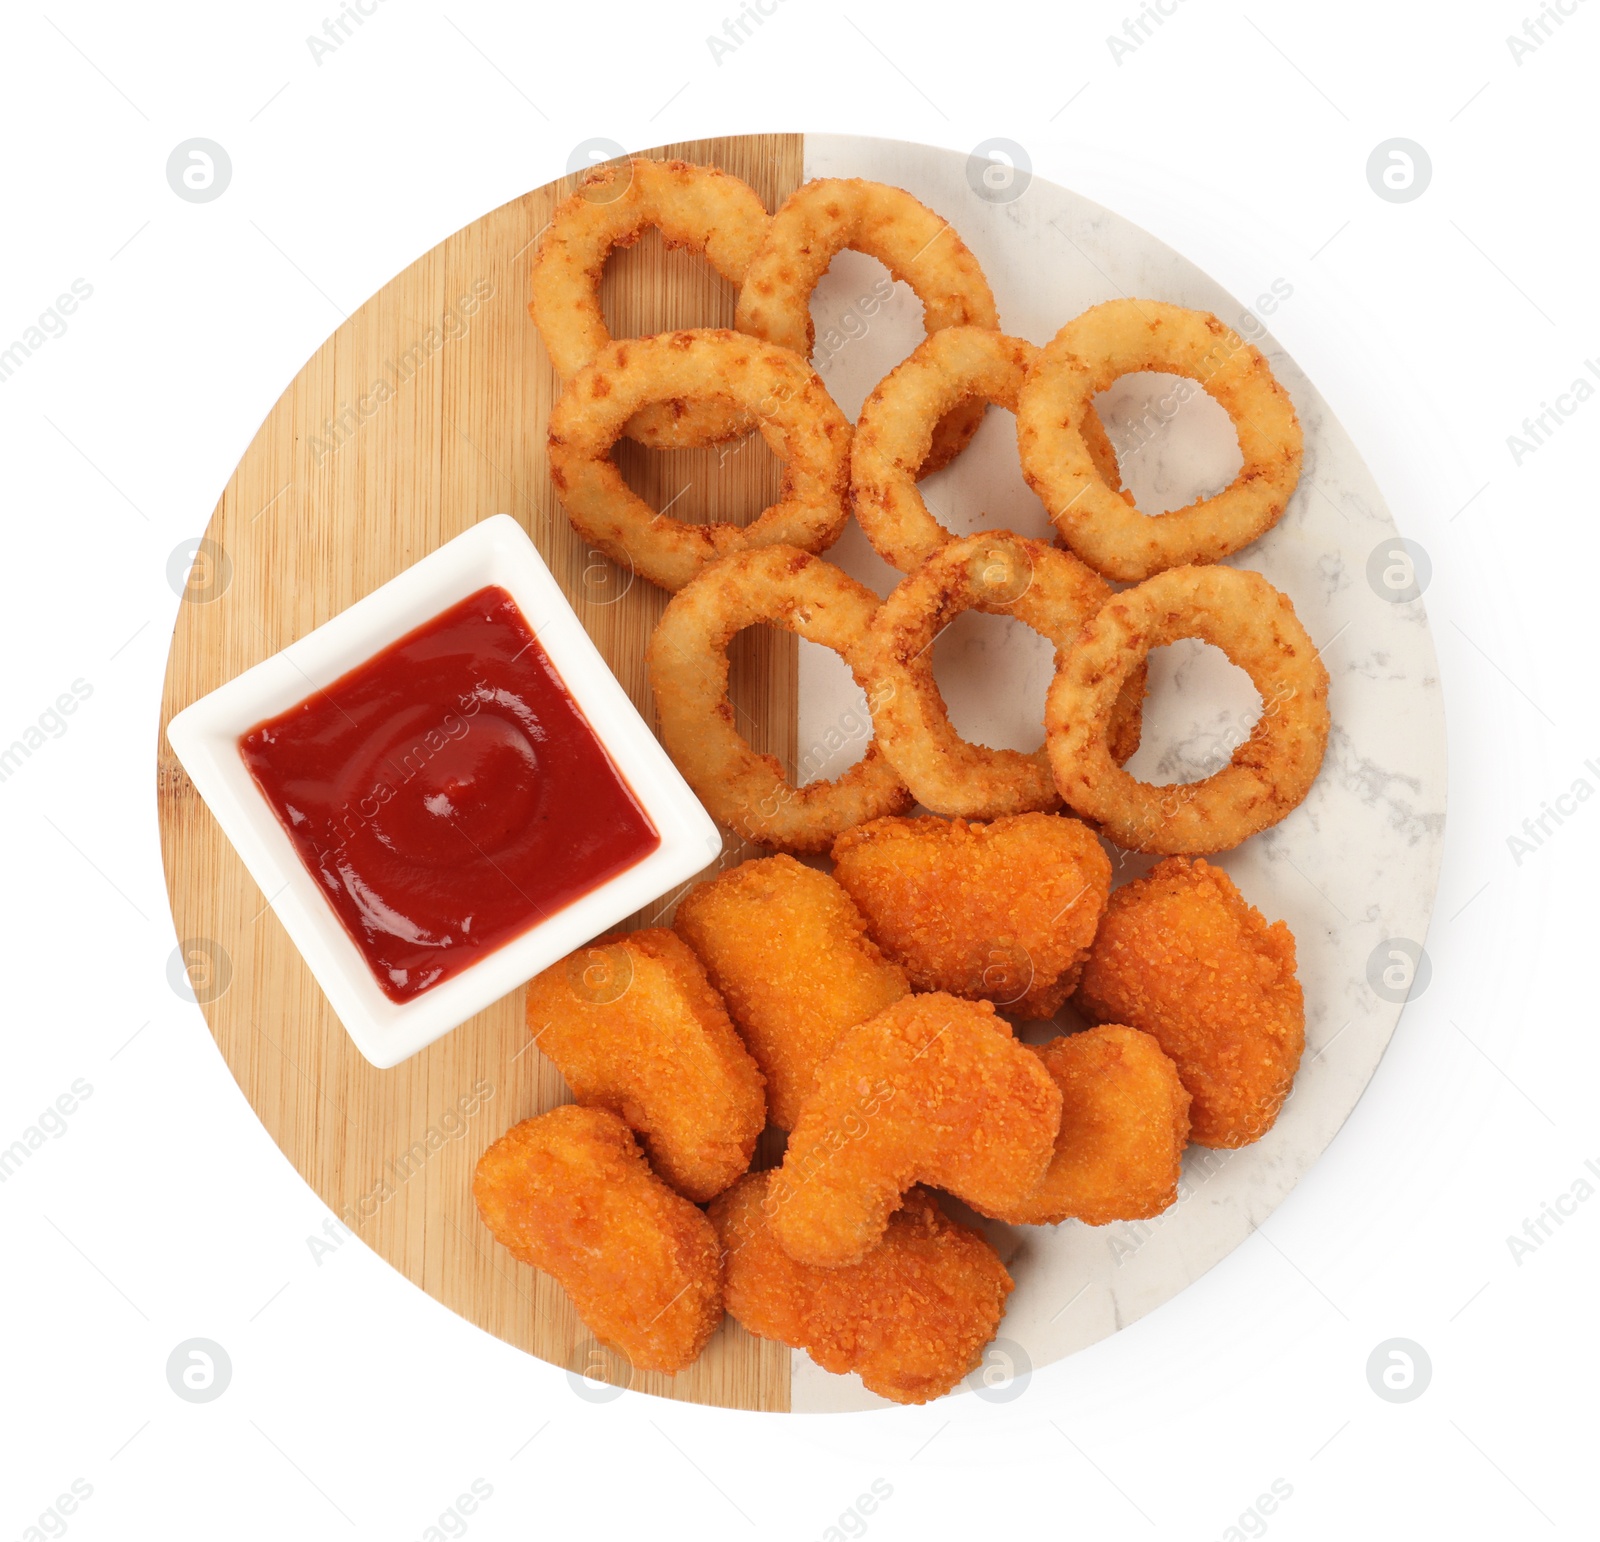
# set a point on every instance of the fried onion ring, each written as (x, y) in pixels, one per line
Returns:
(918, 247)
(688, 661)
(1270, 773)
(792, 409)
(698, 207)
(1004, 575)
(896, 426)
(1120, 338)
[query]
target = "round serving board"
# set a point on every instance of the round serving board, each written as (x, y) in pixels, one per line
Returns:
(426, 411)
(314, 518)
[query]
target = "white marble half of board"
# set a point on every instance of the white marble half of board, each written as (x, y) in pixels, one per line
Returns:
(1354, 867)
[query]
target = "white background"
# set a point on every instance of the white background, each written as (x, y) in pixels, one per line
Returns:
(360, 1408)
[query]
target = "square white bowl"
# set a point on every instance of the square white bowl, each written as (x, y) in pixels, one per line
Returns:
(205, 737)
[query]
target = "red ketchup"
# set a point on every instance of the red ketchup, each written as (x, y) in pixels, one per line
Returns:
(448, 794)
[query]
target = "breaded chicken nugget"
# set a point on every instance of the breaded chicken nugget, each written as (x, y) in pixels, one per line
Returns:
(1003, 911)
(634, 1025)
(910, 1318)
(571, 1193)
(1183, 956)
(932, 1090)
(791, 956)
(1124, 1124)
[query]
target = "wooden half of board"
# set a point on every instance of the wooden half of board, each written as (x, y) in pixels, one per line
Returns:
(422, 414)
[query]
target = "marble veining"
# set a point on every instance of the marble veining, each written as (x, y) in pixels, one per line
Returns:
(1354, 867)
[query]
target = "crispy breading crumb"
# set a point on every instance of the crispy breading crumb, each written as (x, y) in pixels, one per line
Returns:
(791, 956)
(910, 1318)
(633, 1025)
(1003, 911)
(571, 1193)
(932, 1090)
(1183, 956)
(1124, 1124)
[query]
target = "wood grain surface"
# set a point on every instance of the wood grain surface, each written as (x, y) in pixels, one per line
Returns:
(422, 414)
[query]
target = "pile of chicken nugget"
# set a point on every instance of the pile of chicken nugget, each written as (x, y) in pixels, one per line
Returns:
(869, 1014)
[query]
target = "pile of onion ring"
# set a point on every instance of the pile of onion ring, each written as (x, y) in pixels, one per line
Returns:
(1004, 575)
(690, 388)
(899, 422)
(917, 246)
(698, 207)
(719, 388)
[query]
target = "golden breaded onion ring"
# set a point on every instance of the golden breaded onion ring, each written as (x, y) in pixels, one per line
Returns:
(792, 410)
(1002, 574)
(698, 207)
(830, 214)
(688, 661)
(1120, 338)
(896, 425)
(1270, 773)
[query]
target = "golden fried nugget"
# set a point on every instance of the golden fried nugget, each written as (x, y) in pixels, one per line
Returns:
(910, 1318)
(1182, 955)
(1003, 911)
(1124, 1124)
(571, 1193)
(634, 1025)
(932, 1090)
(791, 955)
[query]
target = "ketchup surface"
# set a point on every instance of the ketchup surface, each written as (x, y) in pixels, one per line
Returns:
(448, 794)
